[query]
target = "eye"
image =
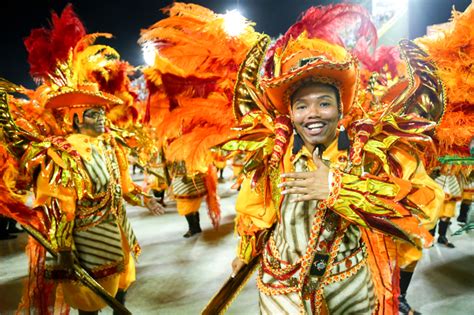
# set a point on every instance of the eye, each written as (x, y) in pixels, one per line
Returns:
(300, 106)
(94, 115)
(325, 104)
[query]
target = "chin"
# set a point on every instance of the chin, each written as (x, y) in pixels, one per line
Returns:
(315, 141)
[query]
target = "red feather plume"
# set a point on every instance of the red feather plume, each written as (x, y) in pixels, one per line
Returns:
(47, 47)
(388, 56)
(327, 23)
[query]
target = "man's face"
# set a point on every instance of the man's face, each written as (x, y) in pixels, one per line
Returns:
(93, 122)
(315, 114)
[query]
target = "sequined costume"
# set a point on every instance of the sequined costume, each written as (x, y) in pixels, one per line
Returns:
(75, 166)
(81, 183)
(338, 255)
(341, 278)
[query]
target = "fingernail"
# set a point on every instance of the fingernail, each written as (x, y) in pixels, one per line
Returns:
(282, 176)
(284, 192)
(232, 275)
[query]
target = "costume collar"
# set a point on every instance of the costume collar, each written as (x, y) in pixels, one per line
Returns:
(83, 144)
(300, 150)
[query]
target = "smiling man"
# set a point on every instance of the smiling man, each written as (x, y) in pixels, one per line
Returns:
(326, 229)
(315, 113)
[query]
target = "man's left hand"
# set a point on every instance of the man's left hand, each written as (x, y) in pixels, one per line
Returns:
(154, 206)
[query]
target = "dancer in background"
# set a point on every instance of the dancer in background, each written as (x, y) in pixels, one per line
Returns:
(190, 104)
(77, 170)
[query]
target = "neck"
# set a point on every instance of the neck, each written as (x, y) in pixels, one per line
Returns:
(309, 146)
(322, 146)
(90, 133)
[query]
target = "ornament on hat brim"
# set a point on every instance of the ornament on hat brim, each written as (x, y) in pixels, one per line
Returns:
(85, 95)
(304, 59)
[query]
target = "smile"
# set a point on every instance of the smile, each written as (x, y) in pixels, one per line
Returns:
(314, 128)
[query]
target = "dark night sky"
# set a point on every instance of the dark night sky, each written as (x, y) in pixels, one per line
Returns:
(124, 19)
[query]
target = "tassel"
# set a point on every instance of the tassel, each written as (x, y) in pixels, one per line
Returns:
(298, 143)
(343, 142)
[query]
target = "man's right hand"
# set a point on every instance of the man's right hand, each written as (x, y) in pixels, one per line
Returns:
(237, 264)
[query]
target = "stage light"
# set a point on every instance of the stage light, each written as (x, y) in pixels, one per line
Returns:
(234, 23)
(149, 53)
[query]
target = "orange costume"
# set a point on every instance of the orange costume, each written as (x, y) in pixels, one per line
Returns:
(451, 47)
(338, 255)
(191, 85)
(80, 181)
(87, 211)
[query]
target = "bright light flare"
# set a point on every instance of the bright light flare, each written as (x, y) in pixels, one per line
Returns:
(149, 53)
(234, 23)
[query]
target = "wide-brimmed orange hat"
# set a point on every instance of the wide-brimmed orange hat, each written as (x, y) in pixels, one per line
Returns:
(303, 60)
(85, 95)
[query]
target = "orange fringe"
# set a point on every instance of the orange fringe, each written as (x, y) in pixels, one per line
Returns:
(381, 256)
(212, 199)
(452, 49)
(191, 82)
(40, 296)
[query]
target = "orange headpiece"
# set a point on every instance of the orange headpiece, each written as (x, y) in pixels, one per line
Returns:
(64, 58)
(82, 96)
(304, 59)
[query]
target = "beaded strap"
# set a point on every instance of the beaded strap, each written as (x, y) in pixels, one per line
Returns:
(335, 188)
(345, 274)
(332, 257)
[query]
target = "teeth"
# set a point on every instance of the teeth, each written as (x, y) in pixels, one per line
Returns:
(315, 125)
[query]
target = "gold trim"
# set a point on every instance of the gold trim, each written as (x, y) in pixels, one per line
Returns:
(272, 82)
(429, 97)
(106, 97)
(242, 102)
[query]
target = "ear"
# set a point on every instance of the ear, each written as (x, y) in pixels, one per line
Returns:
(339, 109)
(75, 122)
(290, 113)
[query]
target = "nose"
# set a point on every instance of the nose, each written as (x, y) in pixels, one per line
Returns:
(314, 110)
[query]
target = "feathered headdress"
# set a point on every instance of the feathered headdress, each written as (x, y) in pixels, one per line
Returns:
(81, 72)
(451, 47)
(47, 47)
(191, 86)
(191, 81)
(332, 24)
(324, 32)
(77, 73)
